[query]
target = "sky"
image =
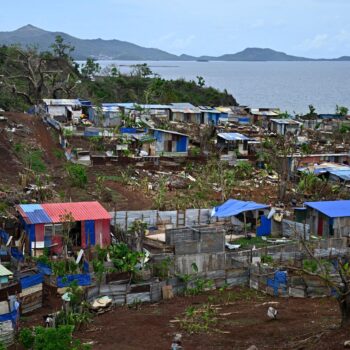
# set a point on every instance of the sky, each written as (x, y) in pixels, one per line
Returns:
(312, 28)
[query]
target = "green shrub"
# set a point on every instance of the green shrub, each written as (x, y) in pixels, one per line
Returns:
(77, 175)
(26, 338)
(50, 339)
(59, 154)
(266, 259)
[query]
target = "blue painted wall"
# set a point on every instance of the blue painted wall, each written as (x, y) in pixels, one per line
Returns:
(90, 232)
(182, 144)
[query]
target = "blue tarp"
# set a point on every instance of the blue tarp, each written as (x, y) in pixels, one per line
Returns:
(44, 269)
(17, 254)
(86, 267)
(265, 227)
(279, 280)
(4, 236)
(30, 281)
(332, 209)
(128, 130)
(12, 316)
(3, 252)
(234, 207)
(82, 280)
(342, 174)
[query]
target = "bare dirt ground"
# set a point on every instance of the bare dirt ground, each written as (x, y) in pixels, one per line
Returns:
(301, 324)
(39, 136)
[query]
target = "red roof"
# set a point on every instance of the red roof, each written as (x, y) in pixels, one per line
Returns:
(81, 211)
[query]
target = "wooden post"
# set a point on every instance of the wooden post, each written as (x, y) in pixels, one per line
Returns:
(245, 224)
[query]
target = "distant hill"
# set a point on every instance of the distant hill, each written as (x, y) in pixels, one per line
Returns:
(257, 54)
(96, 48)
(123, 50)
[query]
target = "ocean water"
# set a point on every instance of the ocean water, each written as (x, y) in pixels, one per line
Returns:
(292, 86)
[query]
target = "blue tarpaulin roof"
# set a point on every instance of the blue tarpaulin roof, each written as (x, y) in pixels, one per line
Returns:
(332, 209)
(342, 174)
(234, 207)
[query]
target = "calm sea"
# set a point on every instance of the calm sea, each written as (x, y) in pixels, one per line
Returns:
(292, 86)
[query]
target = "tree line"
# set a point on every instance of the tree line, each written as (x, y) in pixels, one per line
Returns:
(27, 76)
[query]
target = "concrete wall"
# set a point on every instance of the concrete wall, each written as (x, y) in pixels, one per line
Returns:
(196, 240)
(292, 229)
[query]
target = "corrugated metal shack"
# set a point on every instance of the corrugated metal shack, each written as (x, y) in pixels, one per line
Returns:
(9, 312)
(43, 225)
(170, 143)
(328, 219)
(32, 291)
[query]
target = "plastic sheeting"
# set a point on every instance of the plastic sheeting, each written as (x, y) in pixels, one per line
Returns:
(234, 207)
(17, 254)
(279, 280)
(30, 281)
(11, 316)
(44, 269)
(4, 236)
(333, 209)
(265, 228)
(81, 279)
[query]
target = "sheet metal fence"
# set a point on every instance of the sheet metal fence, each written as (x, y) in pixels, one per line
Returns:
(154, 218)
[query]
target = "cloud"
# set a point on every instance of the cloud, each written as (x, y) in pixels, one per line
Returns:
(317, 42)
(327, 42)
(258, 24)
(172, 41)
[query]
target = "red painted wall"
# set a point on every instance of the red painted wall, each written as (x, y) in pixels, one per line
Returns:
(102, 233)
(83, 236)
(39, 232)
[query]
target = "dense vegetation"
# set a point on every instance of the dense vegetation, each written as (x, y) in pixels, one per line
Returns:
(27, 76)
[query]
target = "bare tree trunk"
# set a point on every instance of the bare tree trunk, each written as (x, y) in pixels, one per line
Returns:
(344, 304)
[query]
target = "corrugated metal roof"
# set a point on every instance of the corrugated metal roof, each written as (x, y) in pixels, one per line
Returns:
(286, 121)
(4, 271)
(183, 105)
(53, 212)
(233, 136)
(62, 102)
(186, 110)
(208, 109)
(110, 109)
(131, 105)
(79, 210)
(324, 168)
(34, 214)
(170, 132)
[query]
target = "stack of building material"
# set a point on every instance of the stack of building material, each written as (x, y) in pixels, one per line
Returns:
(9, 312)
(32, 291)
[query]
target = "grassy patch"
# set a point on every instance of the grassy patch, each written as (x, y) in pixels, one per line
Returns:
(59, 154)
(247, 243)
(32, 158)
(3, 207)
(199, 319)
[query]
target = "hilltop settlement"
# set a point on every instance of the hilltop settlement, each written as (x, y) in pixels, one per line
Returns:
(130, 203)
